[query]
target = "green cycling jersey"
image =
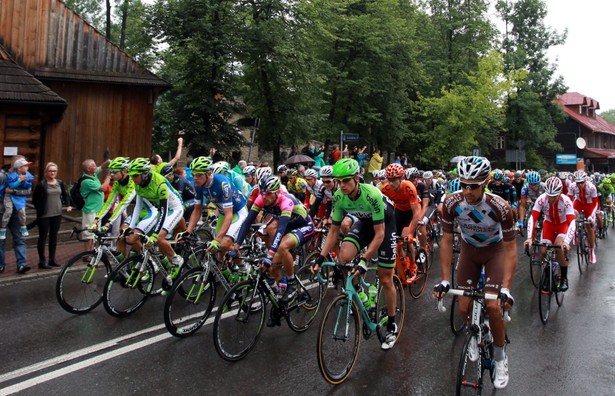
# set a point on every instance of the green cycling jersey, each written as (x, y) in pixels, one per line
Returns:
(368, 204)
(121, 188)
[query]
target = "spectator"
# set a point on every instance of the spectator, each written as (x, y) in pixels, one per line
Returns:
(319, 158)
(239, 168)
(335, 154)
(283, 158)
(92, 192)
(375, 163)
(345, 152)
(18, 179)
(361, 156)
(48, 197)
(157, 162)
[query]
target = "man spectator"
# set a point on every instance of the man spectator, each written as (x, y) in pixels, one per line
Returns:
(92, 192)
(335, 155)
(158, 163)
(239, 168)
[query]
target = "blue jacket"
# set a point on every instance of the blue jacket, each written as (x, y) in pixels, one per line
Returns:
(13, 182)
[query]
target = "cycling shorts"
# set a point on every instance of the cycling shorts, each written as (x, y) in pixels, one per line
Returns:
(362, 233)
(238, 219)
(551, 231)
(471, 261)
(303, 233)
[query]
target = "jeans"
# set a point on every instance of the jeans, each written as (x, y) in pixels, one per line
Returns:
(48, 226)
(19, 242)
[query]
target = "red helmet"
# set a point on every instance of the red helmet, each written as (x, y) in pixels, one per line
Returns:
(393, 171)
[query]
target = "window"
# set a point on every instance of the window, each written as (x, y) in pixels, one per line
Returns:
(499, 143)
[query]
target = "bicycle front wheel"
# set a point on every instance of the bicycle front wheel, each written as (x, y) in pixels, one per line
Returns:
(544, 294)
(189, 303)
(400, 305)
(80, 284)
(470, 371)
(239, 320)
(417, 285)
(127, 288)
(339, 340)
(303, 311)
(535, 266)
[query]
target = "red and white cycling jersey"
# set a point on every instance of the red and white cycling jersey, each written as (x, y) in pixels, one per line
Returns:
(585, 198)
(561, 215)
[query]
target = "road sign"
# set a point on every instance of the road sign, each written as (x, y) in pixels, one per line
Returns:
(565, 159)
(351, 137)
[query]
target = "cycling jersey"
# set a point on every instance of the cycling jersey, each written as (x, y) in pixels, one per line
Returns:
(422, 191)
(222, 193)
(161, 195)
(527, 192)
(324, 198)
(503, 190)
(123, 190)
(297, 188)
(585, 198)
(239, 182)
(185, 189)
(435, 191)
(404, 197)
(291, 215)
(482, 224)
(561, 215)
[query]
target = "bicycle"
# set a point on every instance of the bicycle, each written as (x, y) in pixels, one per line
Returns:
(473, 363)
(193, 296)
(79, 288)
(345, 319)
(582, 242)
(132, 282)
(237, 330)
(549, 281)
(411, 269)
(534, 255)
(458, 323)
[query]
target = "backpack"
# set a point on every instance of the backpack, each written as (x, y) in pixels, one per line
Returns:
(75, 194)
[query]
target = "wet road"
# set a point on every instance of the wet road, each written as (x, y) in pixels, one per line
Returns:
(46, 350)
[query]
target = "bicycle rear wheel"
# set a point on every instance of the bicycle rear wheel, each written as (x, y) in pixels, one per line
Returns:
(339, 340)
(582, 252)
(400, 305)
(127, 289)
(544, 294)
(303, 310)
(417, 286)
(239, 320)
(79, 288)
(469, 372)
(189, 303)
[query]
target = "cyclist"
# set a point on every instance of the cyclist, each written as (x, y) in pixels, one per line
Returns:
(558, 226)
(605, 192)
(164, 209)
(296, 185)
(312, 188)
(413, 174)
(374, 229)
(585, 199)
(487, 239)
(183, 187)
(249, 173)
(532, 190)
(403, 194)
(228, 199)
(295, 228)
(223, 168)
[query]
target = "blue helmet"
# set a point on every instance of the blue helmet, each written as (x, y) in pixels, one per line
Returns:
(498, 175)
(454, 185)
(533, 177)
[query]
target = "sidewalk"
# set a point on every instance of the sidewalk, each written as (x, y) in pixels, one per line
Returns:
(64, 252)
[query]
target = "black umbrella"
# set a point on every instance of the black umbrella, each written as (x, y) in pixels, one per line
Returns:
(299, 159)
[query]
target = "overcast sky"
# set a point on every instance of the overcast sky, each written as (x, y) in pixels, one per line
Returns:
(586, 60)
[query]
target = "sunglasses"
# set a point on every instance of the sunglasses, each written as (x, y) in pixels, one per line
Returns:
(113, 172)
(345, 180)
(198, 174)
(327, 181)
(267, 193)
(471, 186)
(393, 178)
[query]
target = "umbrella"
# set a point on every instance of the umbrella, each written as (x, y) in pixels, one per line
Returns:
(457, 158)
(299, 159)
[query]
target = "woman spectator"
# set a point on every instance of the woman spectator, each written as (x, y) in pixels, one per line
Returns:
(48, 197)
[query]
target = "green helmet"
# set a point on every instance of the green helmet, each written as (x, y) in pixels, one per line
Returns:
(612, 176)
(606, 180)
(138, 166)
(200, 164)
(119, 163)
(345, 167)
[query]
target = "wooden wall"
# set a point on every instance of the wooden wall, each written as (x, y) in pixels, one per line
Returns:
(20, 127)
(98, 117)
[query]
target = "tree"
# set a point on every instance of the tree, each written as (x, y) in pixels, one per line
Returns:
(531, 114)
(609, 115)
(90, 10)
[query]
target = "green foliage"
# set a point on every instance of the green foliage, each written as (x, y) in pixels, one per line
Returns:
(609, 115)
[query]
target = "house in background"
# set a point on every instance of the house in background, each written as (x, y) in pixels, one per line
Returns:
(67, 93)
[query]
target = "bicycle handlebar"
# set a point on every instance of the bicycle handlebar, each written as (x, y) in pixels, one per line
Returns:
(474, 294)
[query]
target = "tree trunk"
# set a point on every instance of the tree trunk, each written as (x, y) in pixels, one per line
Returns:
(108, 23)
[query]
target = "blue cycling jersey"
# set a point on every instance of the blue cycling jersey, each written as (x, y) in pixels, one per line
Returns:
(222, 193)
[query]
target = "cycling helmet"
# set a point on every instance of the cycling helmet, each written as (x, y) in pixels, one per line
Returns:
(580, 176)
(427, 175)
(166, 169)
(412, 173)
(606, 180)
(269, 183)
(282, 168)
(498, 175)
(119, 163)
(346, 167)
(326, 171)
(474, 168)
(533, 177)
(553, 186)
(138, 166)
(381, 174)
(220, 167)
(394, 171)
(562, 175)
(292, 172)
(518, 174)
(200, 164)
(249, 170)
(311, 173)
(263, 171)
(454, 185)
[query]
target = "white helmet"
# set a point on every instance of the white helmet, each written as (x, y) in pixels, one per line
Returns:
(381, 174)
(311, 173)
(248, 170)
(412, 173)
(580, 176)
(262, 172)
(474, 168)
(326, 171)
(428, 175)
(553, 186)
(220, 167)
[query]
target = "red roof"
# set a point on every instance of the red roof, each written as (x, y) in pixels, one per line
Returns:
(571, 101)
(606, 153)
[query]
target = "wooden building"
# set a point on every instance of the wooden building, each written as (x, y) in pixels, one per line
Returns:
(101, 97)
